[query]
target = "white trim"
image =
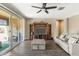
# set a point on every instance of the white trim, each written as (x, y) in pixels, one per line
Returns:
(18, 29)
(23, 29)
(9, 10)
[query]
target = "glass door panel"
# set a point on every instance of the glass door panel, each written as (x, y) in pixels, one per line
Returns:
(4, 31)
(14, 30)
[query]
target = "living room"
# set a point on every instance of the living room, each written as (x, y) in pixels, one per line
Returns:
(54, 25)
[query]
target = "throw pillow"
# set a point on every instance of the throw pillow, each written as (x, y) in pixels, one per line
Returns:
(68, 36)
(72, 40)
(66, 39)
(77, 41)
(62, 37)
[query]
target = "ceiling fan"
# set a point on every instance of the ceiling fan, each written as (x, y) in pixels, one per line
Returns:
(44, 7)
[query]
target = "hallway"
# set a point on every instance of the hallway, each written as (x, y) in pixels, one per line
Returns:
(24, 49)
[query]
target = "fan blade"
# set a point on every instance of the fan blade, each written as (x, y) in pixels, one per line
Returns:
(51, 7)
(39, 11)
(37, 7)
(61, 8)
(46, 11)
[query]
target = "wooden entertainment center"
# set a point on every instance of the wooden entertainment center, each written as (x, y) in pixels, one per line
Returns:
(40, 31)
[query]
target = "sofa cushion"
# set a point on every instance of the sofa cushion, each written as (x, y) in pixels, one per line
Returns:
(66, 40)
(77, 41)
(68, 36)
(62, 36)
(64, 45)
(72, 40)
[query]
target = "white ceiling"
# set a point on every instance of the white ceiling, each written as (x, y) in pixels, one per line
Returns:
(27, 9)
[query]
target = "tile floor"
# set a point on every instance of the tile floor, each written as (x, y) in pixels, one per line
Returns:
(24, 49)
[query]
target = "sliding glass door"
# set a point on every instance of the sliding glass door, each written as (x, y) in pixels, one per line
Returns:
(11, 30)
(4, 31)
(14, 30)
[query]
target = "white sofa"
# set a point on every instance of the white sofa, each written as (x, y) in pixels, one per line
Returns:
(69, 42)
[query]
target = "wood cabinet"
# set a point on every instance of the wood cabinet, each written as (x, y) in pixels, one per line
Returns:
(40, 31)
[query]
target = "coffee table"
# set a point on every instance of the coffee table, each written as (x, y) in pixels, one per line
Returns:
(38, 44)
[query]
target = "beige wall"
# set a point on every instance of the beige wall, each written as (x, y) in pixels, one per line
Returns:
(48, 20)
(60, 26)
(63, 27)
(74, 24)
